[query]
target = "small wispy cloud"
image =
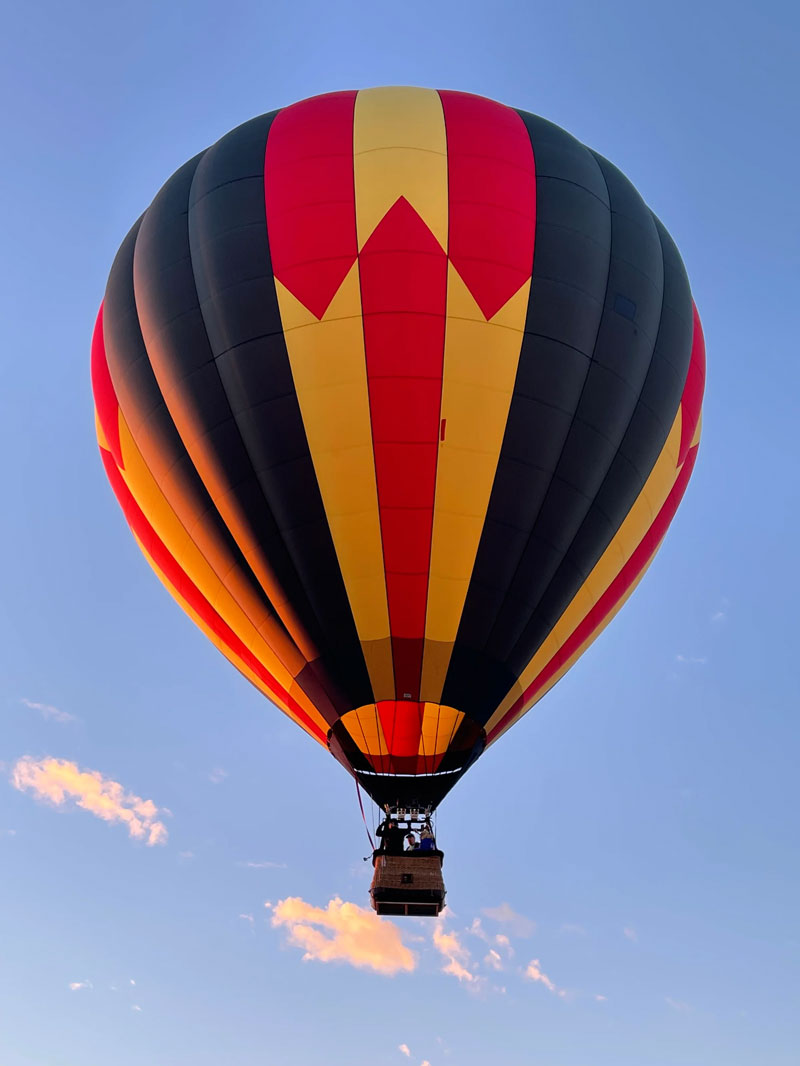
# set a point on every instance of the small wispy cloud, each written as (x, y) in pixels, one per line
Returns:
(600, 999)
(135, 1007)
(721, 612)
(185, 855)
(344, 932)
(49, 712)
(217, 775)
(573, 929)
(424, 1063)
(630, 934)
(697, 660)
(404, 1050)
(79, 986)
(676, 1004)
(248, 918)
(61, 783)
(505, 914)
(497, 940)
(263, 865)
(457, 957)
(8, 832)
(504, 943)
(493, 960)
(534, 972)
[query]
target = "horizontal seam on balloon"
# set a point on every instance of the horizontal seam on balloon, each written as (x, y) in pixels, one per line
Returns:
(571, 229)
(402, 148)
(222, 185)
(576, 184)
(568, 285)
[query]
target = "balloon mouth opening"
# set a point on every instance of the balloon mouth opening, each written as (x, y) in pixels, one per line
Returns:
(406, 738)
(406, 753)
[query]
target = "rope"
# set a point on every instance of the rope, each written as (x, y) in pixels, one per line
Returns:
(361, 805)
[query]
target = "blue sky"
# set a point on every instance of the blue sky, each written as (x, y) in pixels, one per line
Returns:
(640, 825)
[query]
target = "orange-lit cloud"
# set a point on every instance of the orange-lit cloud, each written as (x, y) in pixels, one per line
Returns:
(61, 782)
(534, 973)
(496, 940)
(502, 941)
(457, 956)
(404, 1050)
(344, 932)
(493, 960)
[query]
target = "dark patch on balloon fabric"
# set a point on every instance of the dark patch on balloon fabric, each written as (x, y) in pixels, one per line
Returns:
(595, 396)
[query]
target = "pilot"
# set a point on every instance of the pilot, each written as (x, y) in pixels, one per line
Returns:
(391, 836)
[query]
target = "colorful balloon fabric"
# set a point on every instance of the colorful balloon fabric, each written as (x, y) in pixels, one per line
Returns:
(399, 391)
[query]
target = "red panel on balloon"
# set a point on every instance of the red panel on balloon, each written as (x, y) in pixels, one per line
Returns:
(310, 197)
(404, 297)
(692, 399)
(492, 193)
(105, 398)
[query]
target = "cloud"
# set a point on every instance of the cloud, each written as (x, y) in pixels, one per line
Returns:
(630, 934)
(599, 998)
(49, 713)
(61, 782)
(534, 972)
(263, 865)
(458, 957)
(79, 986)
(721, 613)
(503, 942)
(8, 832)
(185, 855)
(497, 940)
(248, 918)
(344, 932)
(217, 775)
(404, 1050)
(424, 1063)
(136, 1007)
(676, 1004)
(504, 914)
(573, 928)
(493, 960)
(695, 659)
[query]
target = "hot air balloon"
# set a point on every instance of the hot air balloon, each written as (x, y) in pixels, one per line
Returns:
(399, 391)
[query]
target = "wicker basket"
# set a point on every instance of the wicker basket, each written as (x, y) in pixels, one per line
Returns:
(409, 884)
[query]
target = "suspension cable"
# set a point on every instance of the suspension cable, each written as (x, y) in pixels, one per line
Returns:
(363, 815)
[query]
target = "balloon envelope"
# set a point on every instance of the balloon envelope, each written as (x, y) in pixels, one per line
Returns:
(399, 391)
